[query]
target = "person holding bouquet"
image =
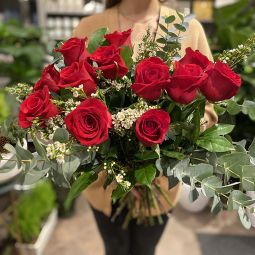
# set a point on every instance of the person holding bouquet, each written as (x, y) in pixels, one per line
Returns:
(121, 15)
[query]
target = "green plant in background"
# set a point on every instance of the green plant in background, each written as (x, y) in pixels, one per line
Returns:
(235, 23)
(22, 52)
(30, 212)
(4, 107)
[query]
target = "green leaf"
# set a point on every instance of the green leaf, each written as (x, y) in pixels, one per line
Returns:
(210, 184)
(180, 169)
(244, 218)
(61, 135)
(170, 19)
(180, 16)
(39, 147)
(97, 39)
(215, 144)
(252, 148)
(193, 195)
(8, 165)
(180, 27)
(10, 148)
(172, 181)
(145, 175)
(163, 28)
(218, 130)
(234, 162)
(248, 177)
(173, 154)
(70, 165)
(233, 107)
(248, 108)
(126, 53)
(200, 171)
(118, 193)
(79, 185)
(161, 40)
(146, 155)
(237, 198)
(34, 175)
(217, 205)
(196, 122)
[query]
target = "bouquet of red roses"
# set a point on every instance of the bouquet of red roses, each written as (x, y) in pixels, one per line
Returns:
(95, 108)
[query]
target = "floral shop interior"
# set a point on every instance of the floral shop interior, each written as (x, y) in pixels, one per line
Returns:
(127, 127)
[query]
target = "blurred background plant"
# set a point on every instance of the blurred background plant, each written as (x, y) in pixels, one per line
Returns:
(230, 32)
(21, 52)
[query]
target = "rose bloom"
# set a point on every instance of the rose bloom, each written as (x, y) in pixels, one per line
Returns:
(79, 73)
(109, 62)
(89, 122)
(151, 128)
(222, 82)
(151, 78)
(74, 50)
(195, 57)
(186, 80)
(37, 105)
(119, 39)
(50, 78)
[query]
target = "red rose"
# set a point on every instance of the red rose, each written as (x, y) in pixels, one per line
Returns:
(109, 62)
(195, 57)
(222, 82)
(74, 50)
(50, 78)
(78, 73)
(89, 122)
(152, 127)
(119, 39)
(185, 82)
(37, 105)
(151, 78)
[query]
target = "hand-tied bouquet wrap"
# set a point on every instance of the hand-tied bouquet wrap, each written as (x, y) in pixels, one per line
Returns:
(96, 109)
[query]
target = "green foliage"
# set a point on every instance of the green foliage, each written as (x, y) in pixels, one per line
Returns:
(145, 175)
(24, 46)
(97, 39)
(30, 212)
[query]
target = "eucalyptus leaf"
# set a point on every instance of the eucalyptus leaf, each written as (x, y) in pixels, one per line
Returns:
(210, 185)
(8, 165)
(70, 166)
(244, 218)
(234, 162)
(193, 195)
(217, 205)
(34, 175)
(39, 147)
(248, 177)
(237, 198)
(61, 135)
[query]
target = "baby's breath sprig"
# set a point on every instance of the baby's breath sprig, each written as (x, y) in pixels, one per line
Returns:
(78, 92)
(118, 173)
(58, 151)
(125, 119)
(21, 91)
(240, 54)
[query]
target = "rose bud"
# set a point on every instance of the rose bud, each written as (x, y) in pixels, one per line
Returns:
(185, 82)
(109, 62)
(151, 78)
(222, 83)
(151, 128)
(89, 122)
(50, 78)
(74, 50)
(37, 105)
